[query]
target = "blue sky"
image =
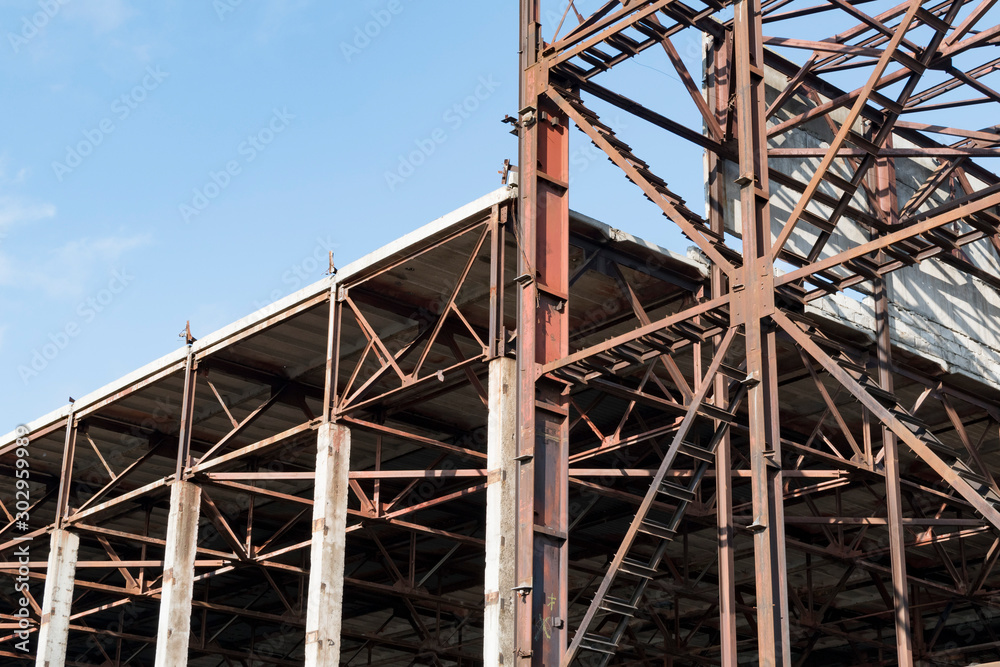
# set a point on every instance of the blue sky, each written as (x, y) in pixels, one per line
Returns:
(172, 161)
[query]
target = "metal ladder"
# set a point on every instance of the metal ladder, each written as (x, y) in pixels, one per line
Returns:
(632, 570)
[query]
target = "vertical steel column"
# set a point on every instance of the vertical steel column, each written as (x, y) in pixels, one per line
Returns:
(325, 592)
(498, 224)
(66, 472)
(886, 176)
(718, 71)
(53, 635)
(501, 514)
(174, 623)
(332, 355)
(174, 626)
(754, 301)
(187, 415)
(329, 524)
(542, 336)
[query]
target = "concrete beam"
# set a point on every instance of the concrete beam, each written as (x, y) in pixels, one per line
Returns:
(58, 598)
(174, 627)
(326, 575)
(501, 514)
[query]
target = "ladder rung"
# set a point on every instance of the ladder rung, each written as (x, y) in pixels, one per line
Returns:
(634, 347)
(851, 367)
(672, 490)
(734, 256)
(618, 606)
(696, 452)
(820, 223)
(865, 269)
(569, 373)
(942, 237)
(983, 224)
(829, 344)
(982, 487)
(592, 367)
(863, 143)
(598, 644)
(648, 27)
(973, 478)
(732, 372)
(836, 181)
(592, 60)
(708, 232)
(637, 569)
(900, 255)
(624, 353)
(937, 446)
(886, 398)
(571, 71)
(619, 145)
(597, 53)
(718, 317)
(968, 474)
(657, 529)
(795, 291)
(908, 419)
(623, 43)
(828, 286)
(717, 413)
(665, 337)
(657, 345)
(656, 181)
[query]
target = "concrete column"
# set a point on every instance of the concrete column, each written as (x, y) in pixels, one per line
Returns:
(326, 574)
(54, 631)
(174, 627)
(501, 515)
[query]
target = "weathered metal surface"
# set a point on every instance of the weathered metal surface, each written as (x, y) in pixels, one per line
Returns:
(714, 459)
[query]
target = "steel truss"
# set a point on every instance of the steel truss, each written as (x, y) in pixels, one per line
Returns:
(733, 414)
(707, 468)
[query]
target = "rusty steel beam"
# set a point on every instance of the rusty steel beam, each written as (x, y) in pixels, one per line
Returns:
(646, 365)
(600, 43)
(541, 560)
(886, 193)
(757, 304)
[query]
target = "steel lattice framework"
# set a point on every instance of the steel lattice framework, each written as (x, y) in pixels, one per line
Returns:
(889, 55)
(518, 436)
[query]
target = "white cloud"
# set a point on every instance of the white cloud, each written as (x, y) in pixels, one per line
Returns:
(15, 210)
(16, 179)
(69, 270)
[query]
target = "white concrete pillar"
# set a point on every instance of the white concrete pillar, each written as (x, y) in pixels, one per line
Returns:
(329, 525)
(501, 515)
(174, 627)
(54, 631)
